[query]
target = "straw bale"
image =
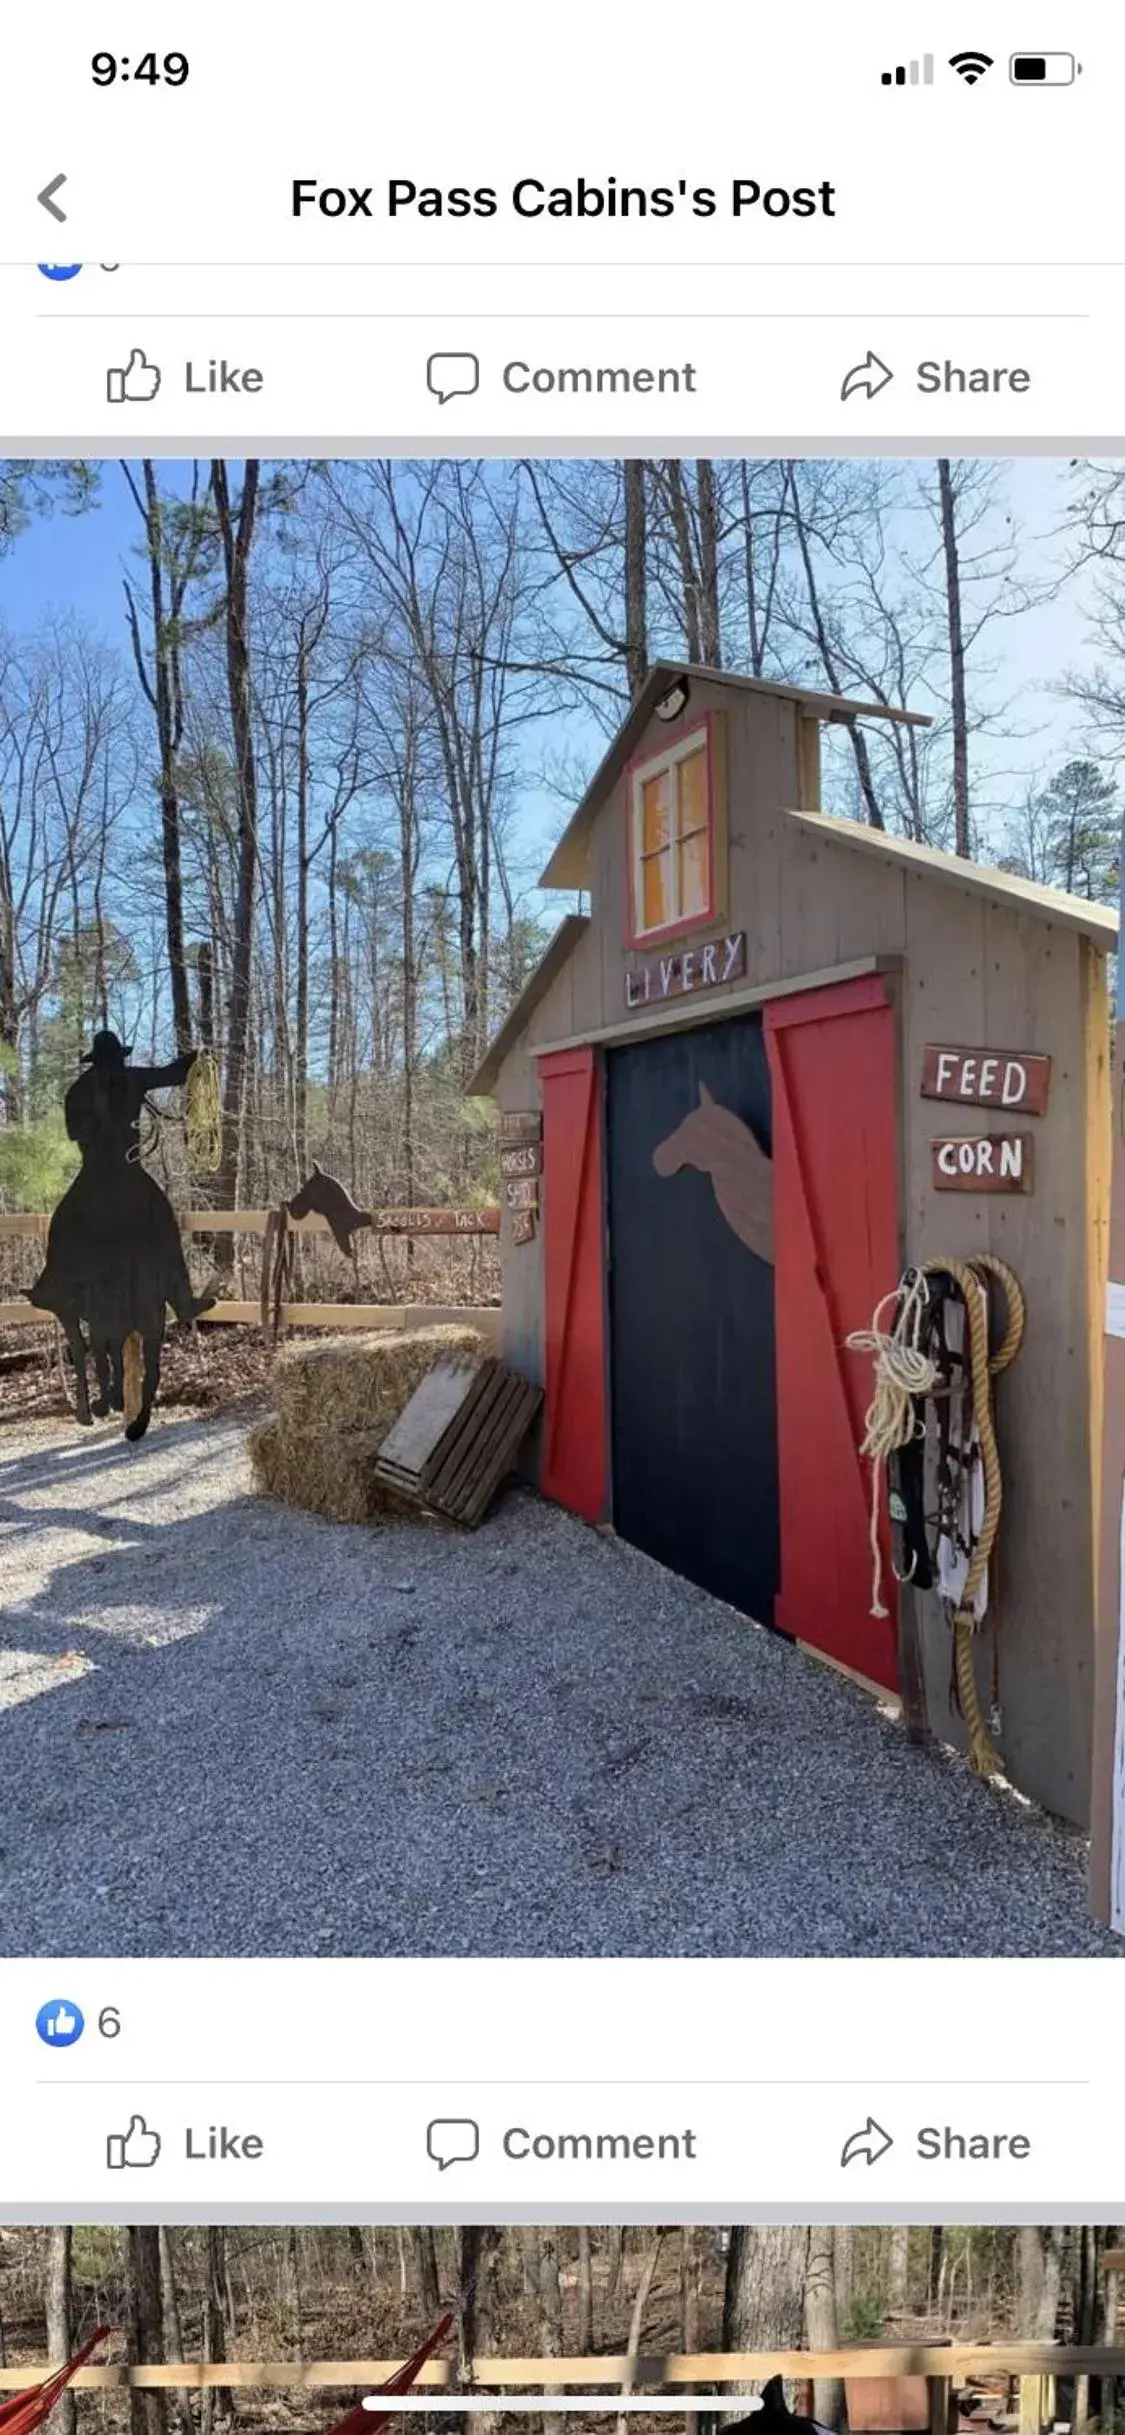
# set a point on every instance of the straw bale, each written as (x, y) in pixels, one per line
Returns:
(331, 1472)
(362, 1382)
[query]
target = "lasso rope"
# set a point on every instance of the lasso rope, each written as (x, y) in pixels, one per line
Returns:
(203, 1122)
(902, 1371)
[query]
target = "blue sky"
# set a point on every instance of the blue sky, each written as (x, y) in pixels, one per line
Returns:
(75, 564)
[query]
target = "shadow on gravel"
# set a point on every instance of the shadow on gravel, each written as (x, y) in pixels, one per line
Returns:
(234, 1728)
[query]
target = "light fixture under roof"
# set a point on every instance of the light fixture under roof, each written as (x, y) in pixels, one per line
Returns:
(675, 700)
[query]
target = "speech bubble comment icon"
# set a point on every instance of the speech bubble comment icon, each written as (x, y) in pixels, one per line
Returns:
(450, 2142)
(452, 376)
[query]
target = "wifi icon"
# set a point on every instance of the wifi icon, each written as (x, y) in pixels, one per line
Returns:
(970, 65)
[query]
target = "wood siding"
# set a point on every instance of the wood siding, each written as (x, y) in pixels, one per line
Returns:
(973, 970)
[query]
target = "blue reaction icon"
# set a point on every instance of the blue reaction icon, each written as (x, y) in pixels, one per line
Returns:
(60, 270)
(59, 2023)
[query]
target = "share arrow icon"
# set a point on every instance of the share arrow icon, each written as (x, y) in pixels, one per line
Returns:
(866, 379)
(871, 2142)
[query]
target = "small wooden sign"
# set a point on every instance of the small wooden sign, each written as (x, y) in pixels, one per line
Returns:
(522, 1193)
(684, 970)
(523, 1226)
(523, 1125)
(435, 1221)
(984, 1162)
(525, 1159)
(987, 1078)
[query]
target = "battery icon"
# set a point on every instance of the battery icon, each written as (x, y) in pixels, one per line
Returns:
(1043, 68)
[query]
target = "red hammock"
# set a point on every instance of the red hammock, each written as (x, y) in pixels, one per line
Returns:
(23, 2412)
(370, 2422)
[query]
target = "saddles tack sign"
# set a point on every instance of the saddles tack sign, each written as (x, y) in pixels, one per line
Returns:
(987, 1078)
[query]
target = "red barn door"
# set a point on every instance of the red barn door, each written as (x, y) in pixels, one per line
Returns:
(837, 1251)
(573, 1468)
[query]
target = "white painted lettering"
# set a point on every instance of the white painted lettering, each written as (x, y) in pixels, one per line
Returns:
(989, 1068)
(1011, 1159)
(632, 995)
(947, 1158)
(687, 972)
(968, 1077)
(708, 962)
(946, 1068)
(730, 954)
(1015, 1083)
(667, 973)
(984, 1158)
(967, 1157)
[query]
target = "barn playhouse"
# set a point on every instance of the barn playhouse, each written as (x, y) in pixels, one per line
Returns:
(781, 1059)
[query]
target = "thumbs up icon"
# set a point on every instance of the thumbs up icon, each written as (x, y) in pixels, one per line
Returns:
(134, 383)
(136, 2146)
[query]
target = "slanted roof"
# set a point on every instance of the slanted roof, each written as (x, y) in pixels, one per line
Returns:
(1098, 922)
(554, 956)
(567, 867)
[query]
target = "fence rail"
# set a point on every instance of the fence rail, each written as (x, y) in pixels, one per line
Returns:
(943, 2363)
(482, 1315)
(448, 1225)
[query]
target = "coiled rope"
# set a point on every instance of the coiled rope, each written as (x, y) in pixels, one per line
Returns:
(203, 1120)
(902, 1371)
(891, 1422)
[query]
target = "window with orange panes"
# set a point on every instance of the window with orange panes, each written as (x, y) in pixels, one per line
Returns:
(672, 839)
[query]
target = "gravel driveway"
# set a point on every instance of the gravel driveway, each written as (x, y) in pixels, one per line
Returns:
(226, 1727)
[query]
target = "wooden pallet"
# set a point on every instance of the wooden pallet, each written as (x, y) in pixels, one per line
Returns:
(458, 1437)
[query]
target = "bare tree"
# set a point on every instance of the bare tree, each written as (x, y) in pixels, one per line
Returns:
(59, 2310)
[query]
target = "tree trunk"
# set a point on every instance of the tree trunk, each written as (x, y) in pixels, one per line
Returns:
(237, 534)
(843, 2257)
(147, 2409)
(821, 2321)
(60, 2320)
(424, 2247)
(898, 2269)
(550, 2310)
(213, 2328)
(637, 2324)
(709, 622)
(163, 693)
(585, 2293)
(636, 575)
(829, 662)
(301, 1045)
(179, 2402)
(764, 2299)
(951, 554)
(689, 583)
(477, 2295)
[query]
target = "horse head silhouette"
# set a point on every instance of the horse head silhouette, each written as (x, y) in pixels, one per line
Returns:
(717, 1142)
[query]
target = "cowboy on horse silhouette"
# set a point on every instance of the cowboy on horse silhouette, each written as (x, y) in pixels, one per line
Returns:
(114, 1256)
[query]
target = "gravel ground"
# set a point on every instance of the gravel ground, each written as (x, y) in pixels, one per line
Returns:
(230, 1728)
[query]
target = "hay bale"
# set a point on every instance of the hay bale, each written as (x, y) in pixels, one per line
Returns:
(362, 1382)
(331, 1472)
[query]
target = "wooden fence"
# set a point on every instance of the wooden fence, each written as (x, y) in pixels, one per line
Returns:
(1034, 2366)
(422, 1223)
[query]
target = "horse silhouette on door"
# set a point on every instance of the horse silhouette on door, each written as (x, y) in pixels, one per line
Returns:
(717, 1142)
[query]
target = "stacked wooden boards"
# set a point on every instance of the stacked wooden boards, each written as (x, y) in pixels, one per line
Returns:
(458, 1437)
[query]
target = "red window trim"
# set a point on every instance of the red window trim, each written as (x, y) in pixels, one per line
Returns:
(678, 733)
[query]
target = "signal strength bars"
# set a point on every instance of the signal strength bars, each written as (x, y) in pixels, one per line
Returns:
(915, 72)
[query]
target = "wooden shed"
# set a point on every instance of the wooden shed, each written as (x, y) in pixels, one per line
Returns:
(783, 1056)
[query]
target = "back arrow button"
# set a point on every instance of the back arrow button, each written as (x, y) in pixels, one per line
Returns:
(47, 197)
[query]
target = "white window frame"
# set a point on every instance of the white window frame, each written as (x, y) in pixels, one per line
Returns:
(699, 741)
